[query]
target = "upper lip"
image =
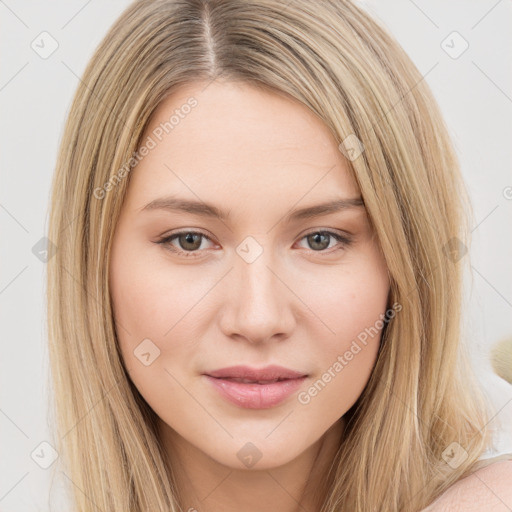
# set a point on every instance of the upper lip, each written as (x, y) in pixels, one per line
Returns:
(272, 372)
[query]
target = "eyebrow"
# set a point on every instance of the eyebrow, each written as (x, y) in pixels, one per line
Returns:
(203, 209)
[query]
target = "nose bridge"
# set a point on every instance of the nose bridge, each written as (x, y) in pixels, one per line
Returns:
(259, 302)
(258, 285)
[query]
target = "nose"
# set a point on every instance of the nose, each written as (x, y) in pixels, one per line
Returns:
(259, 303)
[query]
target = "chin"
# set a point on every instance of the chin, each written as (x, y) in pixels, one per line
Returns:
(256, 454)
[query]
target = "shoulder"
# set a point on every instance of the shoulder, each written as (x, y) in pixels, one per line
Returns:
(488, 488)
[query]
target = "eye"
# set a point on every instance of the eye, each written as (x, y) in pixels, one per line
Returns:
(319, 241)
(189, 242)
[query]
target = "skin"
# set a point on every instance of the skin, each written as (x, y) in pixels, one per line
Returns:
(300, 304)
(489, 489)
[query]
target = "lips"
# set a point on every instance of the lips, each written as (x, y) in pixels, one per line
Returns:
(253, 388)
(252, 381)
(265, 375)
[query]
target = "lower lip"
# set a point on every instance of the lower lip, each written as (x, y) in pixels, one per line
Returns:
(256, 396)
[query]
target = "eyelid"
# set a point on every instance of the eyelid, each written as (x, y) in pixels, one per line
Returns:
(338, 232)
(181, 231)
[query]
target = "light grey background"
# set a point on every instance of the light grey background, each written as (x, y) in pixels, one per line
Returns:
(474, 91)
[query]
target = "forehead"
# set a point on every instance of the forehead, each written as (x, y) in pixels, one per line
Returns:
(237, 139)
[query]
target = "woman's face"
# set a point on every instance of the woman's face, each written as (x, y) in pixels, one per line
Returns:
(234, 263)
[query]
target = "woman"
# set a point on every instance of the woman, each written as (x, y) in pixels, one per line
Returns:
(255, 303)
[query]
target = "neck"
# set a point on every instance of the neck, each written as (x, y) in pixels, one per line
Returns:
(205, 485)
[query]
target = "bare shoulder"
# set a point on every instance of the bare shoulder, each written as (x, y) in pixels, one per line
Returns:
(489, 489)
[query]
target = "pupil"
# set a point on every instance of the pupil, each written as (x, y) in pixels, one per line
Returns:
(189, 239)
(314, 240)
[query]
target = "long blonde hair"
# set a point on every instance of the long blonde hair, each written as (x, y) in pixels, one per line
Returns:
(331, 56)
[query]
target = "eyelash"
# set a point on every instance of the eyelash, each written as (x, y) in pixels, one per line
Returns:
(344, 240)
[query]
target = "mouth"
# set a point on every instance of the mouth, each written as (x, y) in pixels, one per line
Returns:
(250, 381)
(253, 388)
(269, 374)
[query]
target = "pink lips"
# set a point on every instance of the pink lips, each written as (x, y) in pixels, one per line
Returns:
(253, 388)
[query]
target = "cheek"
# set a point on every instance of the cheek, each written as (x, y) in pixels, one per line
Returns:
(149, 294)
(150, 302)
(351, 305)
(349, 299)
